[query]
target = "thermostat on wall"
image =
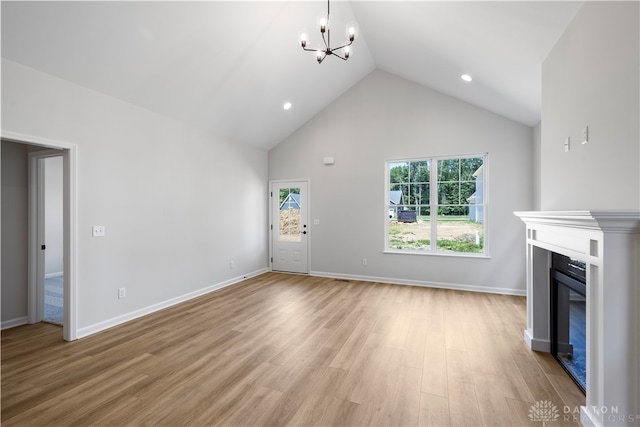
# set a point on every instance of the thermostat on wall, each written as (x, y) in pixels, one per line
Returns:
(329, 161)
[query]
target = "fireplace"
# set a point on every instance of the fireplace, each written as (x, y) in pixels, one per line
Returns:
(608, 245)
(569, 316)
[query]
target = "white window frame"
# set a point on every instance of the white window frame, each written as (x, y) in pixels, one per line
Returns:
(433, 205)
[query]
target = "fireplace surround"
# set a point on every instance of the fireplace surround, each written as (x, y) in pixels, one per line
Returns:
(608, 242)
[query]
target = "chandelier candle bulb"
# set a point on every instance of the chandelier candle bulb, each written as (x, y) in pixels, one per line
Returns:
(303, 40)
(352, 34)
(323, 25)
(347, 52)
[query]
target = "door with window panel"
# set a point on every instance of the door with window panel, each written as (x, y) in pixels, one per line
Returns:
(290, 231)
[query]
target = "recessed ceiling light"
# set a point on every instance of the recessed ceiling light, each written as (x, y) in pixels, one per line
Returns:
(287, 105)
(466, 77)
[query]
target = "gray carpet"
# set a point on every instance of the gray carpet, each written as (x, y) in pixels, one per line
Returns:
(53, 302)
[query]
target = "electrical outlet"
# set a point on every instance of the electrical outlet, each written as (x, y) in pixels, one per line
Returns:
(585, 134)
(364, 261)
(122, 292)
(232, 264)
(98, 231)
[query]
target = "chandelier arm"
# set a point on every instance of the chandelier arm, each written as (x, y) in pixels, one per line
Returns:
(343, 46)
(309, 50)
(335, 54)
(326, 45)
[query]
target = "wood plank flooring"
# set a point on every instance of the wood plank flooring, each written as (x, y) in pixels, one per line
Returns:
(284, 349)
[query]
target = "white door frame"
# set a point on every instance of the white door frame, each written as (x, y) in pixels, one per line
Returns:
(271, 201)
(70, 226)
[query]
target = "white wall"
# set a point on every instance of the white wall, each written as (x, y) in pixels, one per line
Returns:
(591, 77)
(177, 205)
(384, 117)
(537, 166)
(53, 216)
(14, 261)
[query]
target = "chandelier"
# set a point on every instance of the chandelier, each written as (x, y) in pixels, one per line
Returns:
(321, 54)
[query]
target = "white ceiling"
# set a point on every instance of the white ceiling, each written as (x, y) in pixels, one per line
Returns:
(228, 67)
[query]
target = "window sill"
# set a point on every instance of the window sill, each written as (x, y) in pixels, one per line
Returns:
(446, 254)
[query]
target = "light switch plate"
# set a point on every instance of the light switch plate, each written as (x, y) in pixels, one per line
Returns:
(585, 134)
(567, 144)
(98, 231)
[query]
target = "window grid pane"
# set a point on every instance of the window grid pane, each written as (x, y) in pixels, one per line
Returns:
(458, 211)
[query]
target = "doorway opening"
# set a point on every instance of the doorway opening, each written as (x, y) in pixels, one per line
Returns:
(50, 200)
(66, 270)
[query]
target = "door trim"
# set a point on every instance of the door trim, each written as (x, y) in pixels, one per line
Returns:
(70, 225)
(271, 199)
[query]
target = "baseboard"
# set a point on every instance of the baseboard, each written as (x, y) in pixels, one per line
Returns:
(440, 285)
(51, 275)
(589, 418)
(12, 323)
(536, 344)
(98, 327)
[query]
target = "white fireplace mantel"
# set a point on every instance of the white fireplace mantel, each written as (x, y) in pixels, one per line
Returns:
(609, 243)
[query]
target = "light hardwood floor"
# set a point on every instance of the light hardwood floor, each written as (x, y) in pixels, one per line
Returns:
(292, 350)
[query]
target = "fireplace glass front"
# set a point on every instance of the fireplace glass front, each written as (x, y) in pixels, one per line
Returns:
(568, 316)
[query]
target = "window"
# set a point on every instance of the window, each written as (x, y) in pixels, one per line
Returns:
(289, 221)
(436, 205)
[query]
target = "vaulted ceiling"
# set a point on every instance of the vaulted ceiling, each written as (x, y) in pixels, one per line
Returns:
(228, 67)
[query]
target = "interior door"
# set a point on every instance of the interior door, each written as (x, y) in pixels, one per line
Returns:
(290, 234)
